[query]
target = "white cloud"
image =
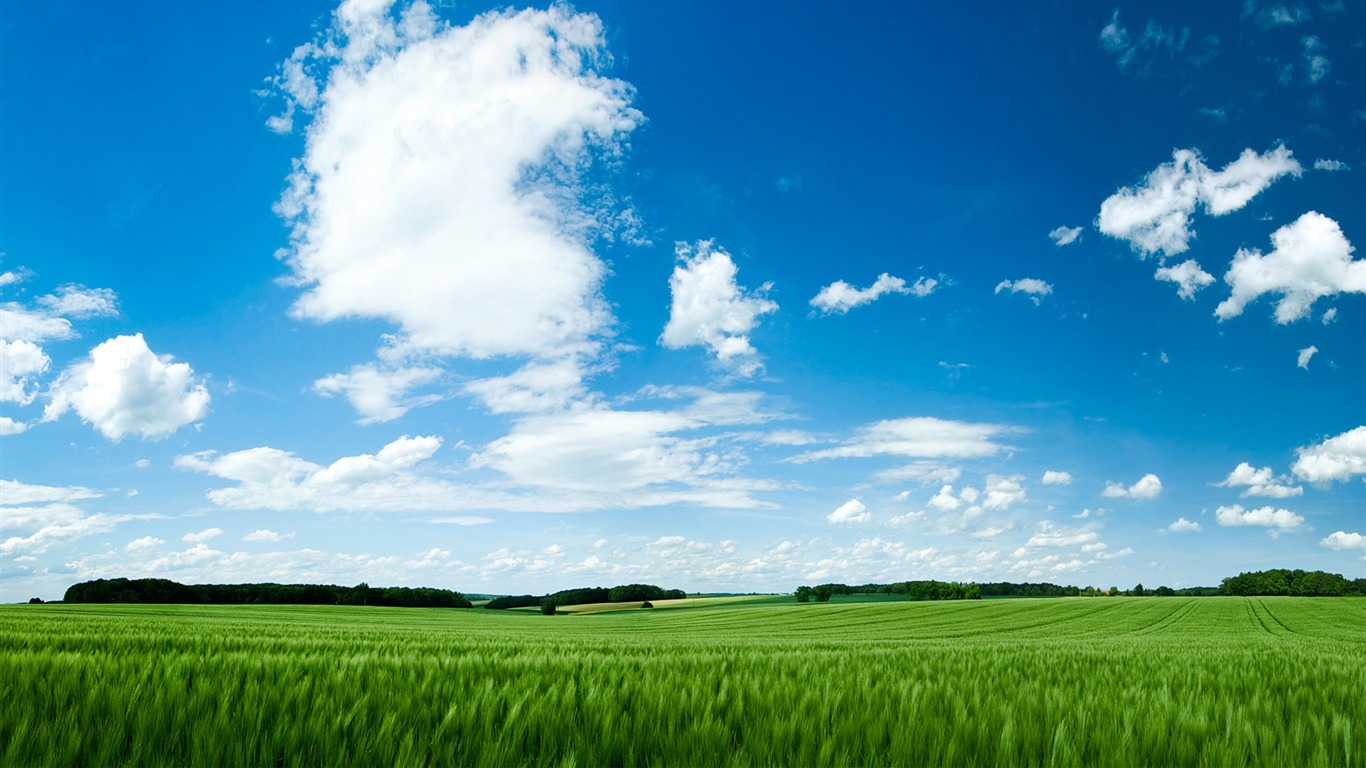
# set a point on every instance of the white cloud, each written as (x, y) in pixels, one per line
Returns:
(851, 511)
(377, 393)
(1304, 355)
(71, 526)
(923, 472)
(1316, 65)
(1056, 536)
(443, 187)
(265, 534)
(947, 501)
(27, 325)
(79, 301)
(924, 286)
(268, 478)
(921, 437)
(20, 362)
(1182, 525)
(710, 406)
(1188, 276)
(599, 457)
(1002, 492)
(144, 544)
(906, 520)
(1269, 517)
(1330, 315)
(595, 450)
(710, 309)
(581, 459)
(43, 516)
(839, 297)
(1311, 259)
(1342, 540)
(1148, 487)
(465, 521)
(1259, 482)
(1278, 15)
(967, 505)
(125, 389)
(1337, 458)
(1331, 165)
(202, 536)
(1116, 40)
(1155, 217)
(13, 492)
(47, 322)
(1065, 235)
(534, 388)
(1051, 477)
(789, 437)
(1034, 288)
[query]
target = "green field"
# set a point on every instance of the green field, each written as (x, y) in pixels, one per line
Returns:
(1121, 681)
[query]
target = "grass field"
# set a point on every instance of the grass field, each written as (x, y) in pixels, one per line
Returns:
(1158, 681)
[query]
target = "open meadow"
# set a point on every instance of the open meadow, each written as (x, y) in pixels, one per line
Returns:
(1119, 681)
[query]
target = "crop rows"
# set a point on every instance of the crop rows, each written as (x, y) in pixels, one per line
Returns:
(1214, 681)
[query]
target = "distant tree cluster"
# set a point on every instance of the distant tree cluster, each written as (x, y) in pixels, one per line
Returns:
(821, 594)
(915, 590)
(626, 593)
(1297, 582)
(1273, 582)
(1029, 589)
(164, 591)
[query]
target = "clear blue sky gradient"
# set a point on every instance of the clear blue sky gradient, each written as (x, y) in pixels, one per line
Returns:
(800, 143)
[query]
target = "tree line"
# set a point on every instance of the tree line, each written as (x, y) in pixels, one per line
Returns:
(164, 591)
(1259, 583)
(1279, 581)
(915, 590)
(625, 593)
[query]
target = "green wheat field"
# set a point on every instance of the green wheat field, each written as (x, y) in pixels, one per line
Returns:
(1120, 681)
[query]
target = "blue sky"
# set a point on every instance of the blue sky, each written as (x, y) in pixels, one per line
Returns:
(720, 297)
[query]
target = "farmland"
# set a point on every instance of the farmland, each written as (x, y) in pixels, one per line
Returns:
(1171, 681)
